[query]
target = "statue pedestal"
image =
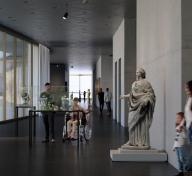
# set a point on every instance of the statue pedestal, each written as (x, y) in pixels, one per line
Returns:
(150, 155)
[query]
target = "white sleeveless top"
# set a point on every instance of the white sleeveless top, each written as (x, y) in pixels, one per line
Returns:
(188, 112)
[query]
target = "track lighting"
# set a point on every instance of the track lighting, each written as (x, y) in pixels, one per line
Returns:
(65, 16)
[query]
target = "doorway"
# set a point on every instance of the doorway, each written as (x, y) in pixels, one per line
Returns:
(116, 91)
(119, 91)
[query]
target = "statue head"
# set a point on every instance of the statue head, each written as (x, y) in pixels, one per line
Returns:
(140, 73)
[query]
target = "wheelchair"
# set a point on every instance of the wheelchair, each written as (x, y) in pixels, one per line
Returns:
(81, 130)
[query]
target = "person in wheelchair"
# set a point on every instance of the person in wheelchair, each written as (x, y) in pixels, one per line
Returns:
(72, 124)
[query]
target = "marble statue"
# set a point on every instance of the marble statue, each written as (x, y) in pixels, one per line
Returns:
(141, 101)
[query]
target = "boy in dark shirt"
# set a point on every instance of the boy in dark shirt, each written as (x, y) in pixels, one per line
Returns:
(101, 99)
(47, 94)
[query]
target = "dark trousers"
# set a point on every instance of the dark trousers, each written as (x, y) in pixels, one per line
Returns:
(108, 104)
(101, 104)
(46, 124)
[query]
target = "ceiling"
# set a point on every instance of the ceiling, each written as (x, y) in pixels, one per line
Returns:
(77, 41)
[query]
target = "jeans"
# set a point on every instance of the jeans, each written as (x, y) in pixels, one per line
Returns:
(182, 158)
(189, 132)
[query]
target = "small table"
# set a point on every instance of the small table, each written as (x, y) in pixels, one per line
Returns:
(23, 106)
(32, 113)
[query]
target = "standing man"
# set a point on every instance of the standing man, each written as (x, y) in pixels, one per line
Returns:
(47, 94)
(101, 99)
(84, 95)
(79, 96)
(89, 96)
(108, 97)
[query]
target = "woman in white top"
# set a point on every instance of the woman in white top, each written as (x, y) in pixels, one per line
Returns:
(72, 124)
(188, 110)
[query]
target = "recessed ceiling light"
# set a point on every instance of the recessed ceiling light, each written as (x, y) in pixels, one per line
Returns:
(65, 16)
(84, 1)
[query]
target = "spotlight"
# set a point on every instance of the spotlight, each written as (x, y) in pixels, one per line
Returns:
(65, 16)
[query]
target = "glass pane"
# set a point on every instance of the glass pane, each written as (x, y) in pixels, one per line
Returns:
(27, 64)
(88, 80)
(27, 72)
(19, 70)
(1, 77)
(36, 88)
(19, 74)
(74, 85)
(10, 78)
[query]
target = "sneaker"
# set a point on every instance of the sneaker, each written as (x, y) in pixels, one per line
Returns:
(52, 140)
(45, 141)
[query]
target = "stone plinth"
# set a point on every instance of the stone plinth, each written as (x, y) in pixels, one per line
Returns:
(151, 155)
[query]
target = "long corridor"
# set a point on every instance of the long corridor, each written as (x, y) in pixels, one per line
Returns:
(63, 159)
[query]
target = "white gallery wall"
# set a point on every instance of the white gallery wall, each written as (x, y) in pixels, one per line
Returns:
(159, 53)
(118, 53)
(44, 66)
(104, 71)
(124, 59)
(186, 43)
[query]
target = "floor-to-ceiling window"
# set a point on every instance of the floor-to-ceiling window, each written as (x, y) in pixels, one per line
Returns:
(9, 62)
(19, 69)
(16, 63)
(36, 75)
(1, 78)
(80, 83)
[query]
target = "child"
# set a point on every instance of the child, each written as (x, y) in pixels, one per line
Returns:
(180, 141)
(72, 124)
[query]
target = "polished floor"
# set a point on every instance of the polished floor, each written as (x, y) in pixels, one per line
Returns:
(64, 159)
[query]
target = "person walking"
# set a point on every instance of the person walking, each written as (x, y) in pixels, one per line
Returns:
(108, 97)
(79, 96)
(89, 96)
(84, 95)
(101, 99)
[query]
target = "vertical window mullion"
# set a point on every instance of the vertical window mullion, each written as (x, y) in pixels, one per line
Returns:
(4, 75)
(15, 67)
(31, 86)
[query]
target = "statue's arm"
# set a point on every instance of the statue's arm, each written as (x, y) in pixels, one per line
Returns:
(124, 96)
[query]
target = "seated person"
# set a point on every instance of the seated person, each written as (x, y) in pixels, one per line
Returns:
(73, 122)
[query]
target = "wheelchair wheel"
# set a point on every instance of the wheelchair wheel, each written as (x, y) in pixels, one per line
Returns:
(87, 132)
